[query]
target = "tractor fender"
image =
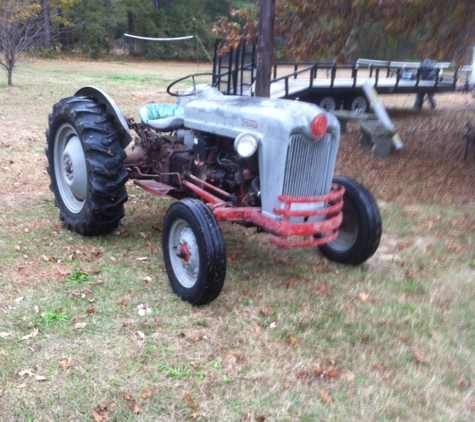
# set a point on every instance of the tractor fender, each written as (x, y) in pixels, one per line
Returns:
(111, 108)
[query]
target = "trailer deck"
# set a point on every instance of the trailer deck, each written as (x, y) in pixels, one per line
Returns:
(327, 84)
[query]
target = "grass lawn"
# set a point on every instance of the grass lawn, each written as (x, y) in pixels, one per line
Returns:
(91, 330)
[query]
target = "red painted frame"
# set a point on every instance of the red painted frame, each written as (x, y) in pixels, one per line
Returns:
(321, 232)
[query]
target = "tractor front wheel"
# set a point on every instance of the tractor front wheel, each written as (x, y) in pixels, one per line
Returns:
(85, 166)
(193, 251)
(360, 231)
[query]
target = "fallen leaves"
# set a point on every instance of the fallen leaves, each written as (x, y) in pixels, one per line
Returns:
(131, 403)
(24, 372)
(30, 374)
(348, 375)
(123, 302)
(292, 339)
(420, 357)
(144, 310)
(230, 357)
(189, 400)
(33, 334)
(326, 397)
(147, 392)
(325, 373)
(235, 357)
(322, 289)
(66, 363)
(287, 385)
(462, 384)
(196, 407)
(102, 411)
(363, 297)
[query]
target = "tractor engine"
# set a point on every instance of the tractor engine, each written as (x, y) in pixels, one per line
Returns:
(209, 158)
(216, 162)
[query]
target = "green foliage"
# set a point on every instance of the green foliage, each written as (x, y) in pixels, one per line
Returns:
(96, 28)
(175, 371)
(79, 276)
(54, 316)
(46, 54)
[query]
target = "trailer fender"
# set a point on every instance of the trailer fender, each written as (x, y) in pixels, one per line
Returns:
(111, 108)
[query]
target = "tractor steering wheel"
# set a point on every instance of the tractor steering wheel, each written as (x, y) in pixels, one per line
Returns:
(195, 89)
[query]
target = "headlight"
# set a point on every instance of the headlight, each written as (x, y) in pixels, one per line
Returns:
(246, 144)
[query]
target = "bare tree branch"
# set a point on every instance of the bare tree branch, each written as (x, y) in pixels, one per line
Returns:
(20, 29)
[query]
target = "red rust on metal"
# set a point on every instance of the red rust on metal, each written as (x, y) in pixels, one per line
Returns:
(183, 253)
(208, 197)
(209, 186)
(336, 192)
(323, 231)
(333, 209)
(283, 242)
(279, 228)
(154, 187)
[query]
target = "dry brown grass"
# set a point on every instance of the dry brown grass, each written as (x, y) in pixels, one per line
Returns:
(291, 338)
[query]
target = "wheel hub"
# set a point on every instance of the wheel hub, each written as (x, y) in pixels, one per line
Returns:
(184, 253)
(74, 168)
(70, 168)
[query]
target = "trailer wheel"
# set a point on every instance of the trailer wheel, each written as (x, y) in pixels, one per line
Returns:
(193, 251)
(360, 231)
(357, 104)
(85, 166)
(329, 103)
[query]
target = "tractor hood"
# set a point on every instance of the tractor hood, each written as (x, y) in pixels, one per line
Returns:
(230, 116)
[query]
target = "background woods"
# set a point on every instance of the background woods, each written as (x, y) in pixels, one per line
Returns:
(344, 30)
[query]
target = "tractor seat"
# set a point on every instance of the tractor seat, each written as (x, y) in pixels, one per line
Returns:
(162, 117)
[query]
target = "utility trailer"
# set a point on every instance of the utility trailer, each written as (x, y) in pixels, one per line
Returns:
(326, 84)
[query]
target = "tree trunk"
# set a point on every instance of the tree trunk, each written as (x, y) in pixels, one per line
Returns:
(46, 24)
(156, 4)
(63, 36)
(106, 10)
(265, 47)
(9, 76)
(130, 24)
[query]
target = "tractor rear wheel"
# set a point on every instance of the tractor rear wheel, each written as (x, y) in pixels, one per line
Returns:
(85, 166)
(360, 231)
(193, 251)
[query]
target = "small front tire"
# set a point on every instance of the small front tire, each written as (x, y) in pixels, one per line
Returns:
(193, 251)
(360, 231)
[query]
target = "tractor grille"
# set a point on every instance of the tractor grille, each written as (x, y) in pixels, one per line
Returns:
(306, 170)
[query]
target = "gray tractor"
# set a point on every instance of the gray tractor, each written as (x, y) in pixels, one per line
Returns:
(254, 161)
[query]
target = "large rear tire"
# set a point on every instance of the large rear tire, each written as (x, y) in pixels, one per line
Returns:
(360, 231)
(85, 166)
(193, 251)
